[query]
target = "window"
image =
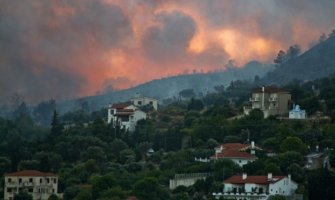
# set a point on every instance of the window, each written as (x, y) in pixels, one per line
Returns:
(139, 102)
(48, 180)
(30, 180)
(30, 190)
(20, 180)
(151, 103)
(124, 118)
(240, 161)
(9, 180)
(55, 180)
(41, 180)
(9, 189)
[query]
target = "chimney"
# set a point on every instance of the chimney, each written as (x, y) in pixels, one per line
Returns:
(263, 98)
(252, 151)
(244, 176)
(269, 176)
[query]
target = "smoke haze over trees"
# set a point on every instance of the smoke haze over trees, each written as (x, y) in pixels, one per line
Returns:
(66, 49)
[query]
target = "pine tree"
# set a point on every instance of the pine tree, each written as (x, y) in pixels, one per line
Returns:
(56, 126)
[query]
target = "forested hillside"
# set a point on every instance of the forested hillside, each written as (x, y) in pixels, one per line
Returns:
(317, 62)
(97, 161)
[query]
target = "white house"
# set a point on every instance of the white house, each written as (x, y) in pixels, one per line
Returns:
(125, 115)
(40, 185)
(143, 101)
(241, 154)
(297, 113)
(244, 187)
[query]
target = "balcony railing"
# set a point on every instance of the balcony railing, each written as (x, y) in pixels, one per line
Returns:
(272, 99)
(240, 195)
(252, 99)
(20, 184)
(244, 194)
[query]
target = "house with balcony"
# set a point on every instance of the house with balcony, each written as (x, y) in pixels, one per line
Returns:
(241, 154)
(145, 101)
(40, 185)
(125, 115)
(244, 187)
(270, 100)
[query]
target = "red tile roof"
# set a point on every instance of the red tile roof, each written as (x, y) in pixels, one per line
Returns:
(124, 114)
(253, 179)
(121, 105)
(234, 154)
(269, 89)
(125, 110)
(233, 146)
(30, 173)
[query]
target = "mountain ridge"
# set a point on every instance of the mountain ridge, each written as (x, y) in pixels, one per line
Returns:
(316, 62)
(170, 87)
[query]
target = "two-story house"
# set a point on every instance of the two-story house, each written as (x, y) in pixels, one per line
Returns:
(244, 187)
(40, 185)
(241, 154)
(270, 100)
(125, 115)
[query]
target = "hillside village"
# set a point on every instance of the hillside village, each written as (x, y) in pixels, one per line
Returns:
(167, 100)
(244, 142)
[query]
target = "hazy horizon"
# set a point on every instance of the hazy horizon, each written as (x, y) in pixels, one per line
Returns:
(63, 49)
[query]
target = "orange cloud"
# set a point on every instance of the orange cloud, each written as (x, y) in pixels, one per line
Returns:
(88, 44)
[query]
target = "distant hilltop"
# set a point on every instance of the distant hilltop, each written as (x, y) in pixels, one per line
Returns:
(317, 62)
(169, 88)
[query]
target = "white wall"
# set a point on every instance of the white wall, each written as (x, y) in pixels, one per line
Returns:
(228, 187)
(184, 181)
(145, 101)
(284, 187)
(249, 186)
(241, 161)
(41, 190)
(297, 115)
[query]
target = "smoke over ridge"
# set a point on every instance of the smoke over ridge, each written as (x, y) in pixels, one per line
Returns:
(69, 48)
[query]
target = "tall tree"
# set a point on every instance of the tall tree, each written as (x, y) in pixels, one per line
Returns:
(281, 58)
(56, 126)
(43, 111)
(293, 51)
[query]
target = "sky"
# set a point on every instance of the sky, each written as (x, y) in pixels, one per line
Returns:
(71, 48)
